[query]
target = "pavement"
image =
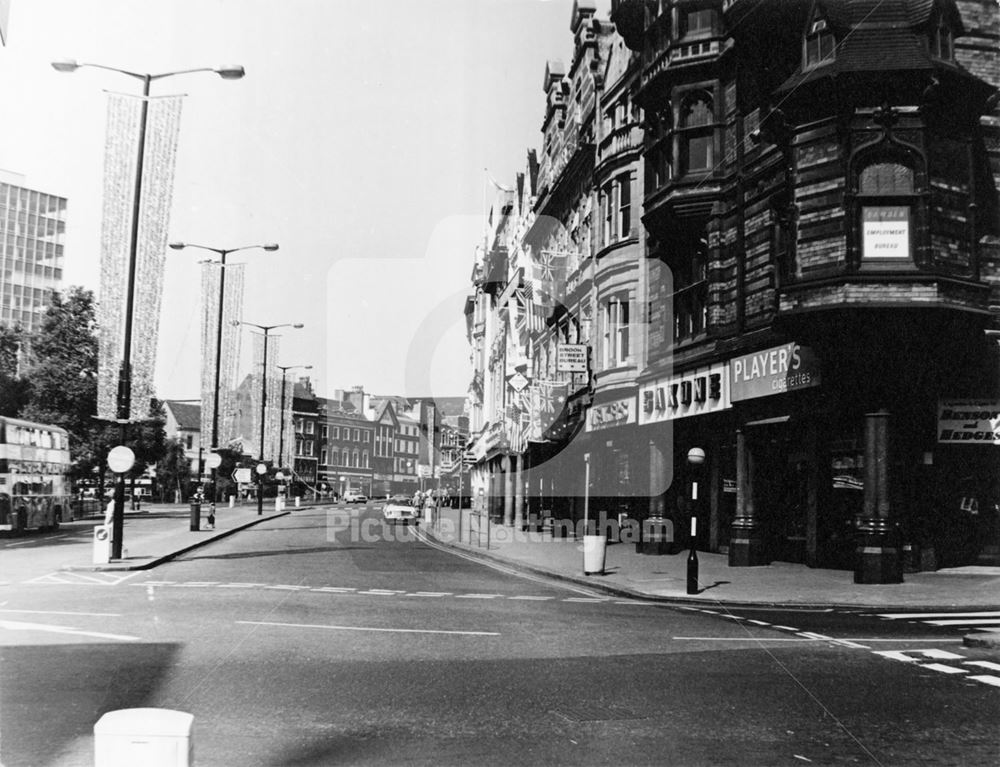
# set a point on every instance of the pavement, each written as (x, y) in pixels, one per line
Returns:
(159, 533)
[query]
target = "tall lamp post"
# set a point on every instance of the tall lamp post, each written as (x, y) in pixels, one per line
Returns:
(265, 329)
(281, 432)
(124, 398)
(222, 253)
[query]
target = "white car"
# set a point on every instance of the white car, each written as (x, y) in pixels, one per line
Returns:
(352, 497)
(398, 509)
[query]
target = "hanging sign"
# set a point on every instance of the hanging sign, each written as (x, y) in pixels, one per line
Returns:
(969, 421)
(571, 358)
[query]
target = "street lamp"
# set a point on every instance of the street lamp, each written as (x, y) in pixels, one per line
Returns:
(266, 329)
(696, 457)
(222, 252)
(281, 432)
(124, 399)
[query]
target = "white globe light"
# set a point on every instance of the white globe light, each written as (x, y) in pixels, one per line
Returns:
(696, 456)
(121, 459)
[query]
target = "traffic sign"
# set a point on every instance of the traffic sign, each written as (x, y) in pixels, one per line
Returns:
(242, 476)
(213, 461)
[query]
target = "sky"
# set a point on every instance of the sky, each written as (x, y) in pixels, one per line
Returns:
(358, 141)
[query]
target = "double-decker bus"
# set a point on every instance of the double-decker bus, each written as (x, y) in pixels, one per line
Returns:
(34, 487)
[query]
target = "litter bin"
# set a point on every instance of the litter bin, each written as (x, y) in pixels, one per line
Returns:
(152, 737)
(594, 549)
(195, 515)
(102, 544)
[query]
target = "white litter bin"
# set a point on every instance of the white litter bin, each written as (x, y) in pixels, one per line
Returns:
(102, 544)
(151, 737)
(594, 547)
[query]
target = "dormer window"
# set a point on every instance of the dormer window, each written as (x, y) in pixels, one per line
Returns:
(942, 41)
(698, 23)
(819, 44)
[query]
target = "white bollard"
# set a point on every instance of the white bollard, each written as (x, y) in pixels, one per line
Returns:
(297, 499)
(149, 736)
(232, 501)
(277, 503)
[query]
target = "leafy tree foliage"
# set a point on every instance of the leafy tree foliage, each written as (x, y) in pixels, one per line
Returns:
(62, 370)
(14, 390)
(172, 470)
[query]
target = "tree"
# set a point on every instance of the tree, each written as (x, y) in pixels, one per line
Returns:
(173, 468)
(62, 368)
(14, 388)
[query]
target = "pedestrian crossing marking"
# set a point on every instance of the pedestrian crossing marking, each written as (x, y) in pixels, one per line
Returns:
(967, 622)
(987, 679)
(983, 664)
(905, 655)
(944, 669)
(912, 616)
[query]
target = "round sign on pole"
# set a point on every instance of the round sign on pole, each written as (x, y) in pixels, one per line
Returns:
(261, 468)
(213, 461)
(280, 475)
(121, 459)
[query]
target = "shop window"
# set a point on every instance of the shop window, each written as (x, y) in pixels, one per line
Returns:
(819, 44)
(697, 136)
(885, 195)
(690, 295)
(616, 331)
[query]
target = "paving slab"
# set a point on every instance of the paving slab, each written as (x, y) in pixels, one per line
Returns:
(664, 577)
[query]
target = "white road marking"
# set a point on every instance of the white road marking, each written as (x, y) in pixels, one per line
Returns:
(943, 668)
(546, 599)
(786, 628)
(197, 584)
(969, 622)
(430, 594)
(287, 588)
(907, 616)
(751, 639)
(19, 626)
(758, 623)
(369, 628)
(983, 664)
(478, 596)
(382, 592)
(587, 600)
(902, 655)
(58, 612)
(335, 590)
(986, 679)
(153, 583)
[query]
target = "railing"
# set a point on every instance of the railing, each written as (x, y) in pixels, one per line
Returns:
(622, 139)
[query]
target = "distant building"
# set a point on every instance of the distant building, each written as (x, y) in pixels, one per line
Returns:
(183, 423)
(345, 446)
(32, 228)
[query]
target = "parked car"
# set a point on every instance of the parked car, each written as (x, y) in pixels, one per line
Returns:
(400, 508)
(352, 497)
